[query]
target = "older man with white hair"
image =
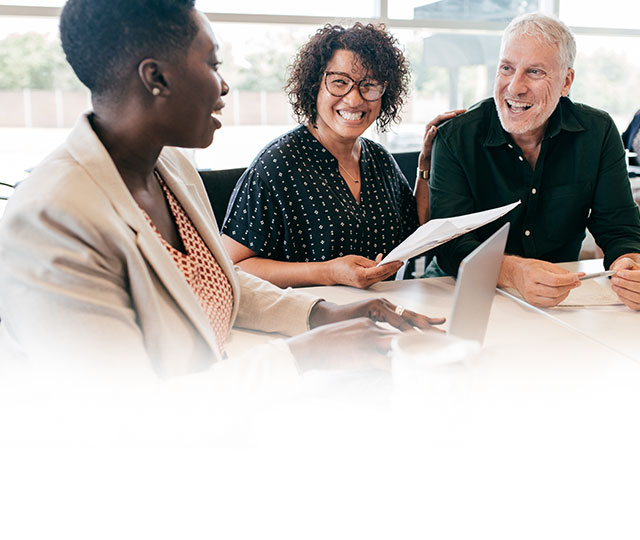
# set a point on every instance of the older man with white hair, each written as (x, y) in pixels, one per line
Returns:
(564, 161)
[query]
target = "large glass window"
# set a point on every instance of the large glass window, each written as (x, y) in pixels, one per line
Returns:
(255, 65)
(44, 3)
(465, 10)
(327, 8)
(40, 97)
(452, 45)
(596, 13)
(607, 74)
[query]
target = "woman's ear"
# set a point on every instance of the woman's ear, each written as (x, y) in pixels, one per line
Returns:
(151, 74)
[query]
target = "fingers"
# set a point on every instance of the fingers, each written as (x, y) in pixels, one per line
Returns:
(358, 261)
(357, 271)
(554, 276)
(631, 299)
(377, 273)
(430, 133)
(429, 136)
(625, 263)
(542, 295)
(544, 284)
(444, 116)
(422, 322)
(632, 276)
(352, 344)
(626, 284)
(382, 310)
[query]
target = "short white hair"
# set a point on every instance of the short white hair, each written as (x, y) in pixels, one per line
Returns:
(547, 29)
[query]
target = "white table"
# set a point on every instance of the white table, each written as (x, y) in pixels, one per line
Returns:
(527, 353)
(616, 327)
(515, 329)
(535, 438)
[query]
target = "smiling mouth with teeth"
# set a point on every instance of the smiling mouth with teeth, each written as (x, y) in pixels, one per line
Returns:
(351, 116)
(518, 106)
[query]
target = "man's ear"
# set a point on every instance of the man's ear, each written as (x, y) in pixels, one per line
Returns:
(568, 81)
(151, 73)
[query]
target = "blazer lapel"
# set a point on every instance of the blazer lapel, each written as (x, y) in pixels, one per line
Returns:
(186, 190)
(87, 149)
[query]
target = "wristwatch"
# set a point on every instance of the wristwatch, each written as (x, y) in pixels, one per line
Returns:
(422, 174)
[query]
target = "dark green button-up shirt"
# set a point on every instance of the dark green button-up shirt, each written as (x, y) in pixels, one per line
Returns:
(580, 181)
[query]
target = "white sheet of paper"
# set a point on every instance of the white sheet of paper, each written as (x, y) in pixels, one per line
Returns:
(592, 292)
(441, 230)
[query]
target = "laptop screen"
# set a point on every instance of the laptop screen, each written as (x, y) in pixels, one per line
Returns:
(476, 287)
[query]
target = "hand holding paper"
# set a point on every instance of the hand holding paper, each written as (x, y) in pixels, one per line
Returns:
(438, 231)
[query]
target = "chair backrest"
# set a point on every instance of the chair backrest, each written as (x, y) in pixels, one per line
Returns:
(408, 163)
(219, 186)
(9, 190)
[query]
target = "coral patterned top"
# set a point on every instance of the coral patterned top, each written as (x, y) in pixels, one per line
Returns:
(200, 269)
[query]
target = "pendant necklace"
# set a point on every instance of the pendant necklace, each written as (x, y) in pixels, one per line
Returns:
(354, 180)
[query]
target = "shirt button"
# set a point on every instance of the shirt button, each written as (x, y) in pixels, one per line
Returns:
(520, 158)
(527, 232)
(510, 145)
(533, 190)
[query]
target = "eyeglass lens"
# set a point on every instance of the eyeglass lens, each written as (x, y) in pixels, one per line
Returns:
(339, 85)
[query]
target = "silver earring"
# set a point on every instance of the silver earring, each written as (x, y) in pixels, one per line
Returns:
(156, 91)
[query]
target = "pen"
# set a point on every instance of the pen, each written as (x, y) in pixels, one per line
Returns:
(597, 274)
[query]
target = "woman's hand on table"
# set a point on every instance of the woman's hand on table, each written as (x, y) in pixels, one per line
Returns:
(375, 309)
(626, 281)
(347, 336)
(351, 344)
(358, 271)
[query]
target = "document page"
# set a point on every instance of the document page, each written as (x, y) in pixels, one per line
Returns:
(441, 230)
(592, 292)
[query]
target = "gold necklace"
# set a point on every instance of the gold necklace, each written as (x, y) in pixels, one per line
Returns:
(317, 135)
(354, 180)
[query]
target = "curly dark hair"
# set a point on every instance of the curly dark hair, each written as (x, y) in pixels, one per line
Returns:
(104, 40)
(379, 53)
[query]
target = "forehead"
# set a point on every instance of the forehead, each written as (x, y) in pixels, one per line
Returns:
(345, 61)
(204, 41)
(529, 50)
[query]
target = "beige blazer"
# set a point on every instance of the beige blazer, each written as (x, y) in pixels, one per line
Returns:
(85, 279)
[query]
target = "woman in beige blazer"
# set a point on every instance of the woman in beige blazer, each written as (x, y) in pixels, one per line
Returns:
(86, 278)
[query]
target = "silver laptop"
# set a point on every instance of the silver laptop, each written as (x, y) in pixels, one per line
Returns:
(476, 287)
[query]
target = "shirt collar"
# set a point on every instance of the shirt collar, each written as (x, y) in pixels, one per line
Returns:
(563, 118)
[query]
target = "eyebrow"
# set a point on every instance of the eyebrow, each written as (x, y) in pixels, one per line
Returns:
(543, 67)
(350, 76)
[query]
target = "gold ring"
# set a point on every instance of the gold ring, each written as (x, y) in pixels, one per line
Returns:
(399, 310)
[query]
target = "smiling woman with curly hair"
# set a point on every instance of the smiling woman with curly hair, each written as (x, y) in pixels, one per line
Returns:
(321, 204)
(376, 50)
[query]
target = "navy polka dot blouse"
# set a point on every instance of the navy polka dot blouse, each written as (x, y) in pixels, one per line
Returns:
(291, 204)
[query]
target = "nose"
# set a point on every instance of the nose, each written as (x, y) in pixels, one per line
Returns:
(353, 97)
(224, 87)
(517, 84)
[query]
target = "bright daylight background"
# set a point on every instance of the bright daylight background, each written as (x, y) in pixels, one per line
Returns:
(452, 45)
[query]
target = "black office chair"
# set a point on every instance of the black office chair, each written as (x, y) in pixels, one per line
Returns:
(408, 163)
(6, 197)
(219, 186)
